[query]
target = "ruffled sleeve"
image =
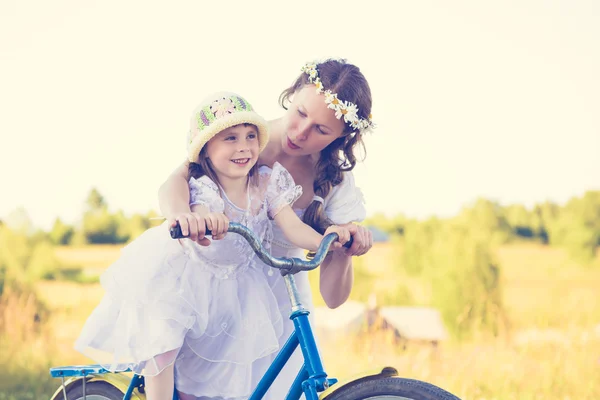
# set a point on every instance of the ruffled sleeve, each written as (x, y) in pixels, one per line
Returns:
(345, 203)
(281, 189)
(204, 191)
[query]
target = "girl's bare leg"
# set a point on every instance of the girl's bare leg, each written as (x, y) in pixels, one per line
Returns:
(161, 386)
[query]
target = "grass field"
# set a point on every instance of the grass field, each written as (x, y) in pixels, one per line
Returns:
(552, 351)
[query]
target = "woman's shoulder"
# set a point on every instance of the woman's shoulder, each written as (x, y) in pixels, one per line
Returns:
(346, 185)
(345, 202)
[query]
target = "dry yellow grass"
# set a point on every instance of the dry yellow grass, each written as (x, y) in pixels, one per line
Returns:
(496, 369)
(543, 288)
(552, 353)
(92, 258)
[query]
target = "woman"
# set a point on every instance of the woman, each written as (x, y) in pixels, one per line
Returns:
(328, 111)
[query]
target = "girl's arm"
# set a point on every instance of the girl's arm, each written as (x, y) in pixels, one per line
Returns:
(296, 231)
(336, 275)
(304, 236)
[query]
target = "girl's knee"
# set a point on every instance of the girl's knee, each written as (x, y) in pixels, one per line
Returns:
(161, 362)
(185, 396)
(167, 358)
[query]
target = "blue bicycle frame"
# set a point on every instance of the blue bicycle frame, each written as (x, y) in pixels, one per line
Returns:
(311, 378)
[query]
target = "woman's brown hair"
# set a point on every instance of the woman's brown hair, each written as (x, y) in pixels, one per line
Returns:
(350, 85)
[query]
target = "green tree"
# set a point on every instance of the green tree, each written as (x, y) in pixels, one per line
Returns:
(61, 233)
(577, 228)
(546, 216)
(123, 233)
(466, 281)
(14, 256)
(95, 201)
(23, 260)
(99, 226)
(393, 225)
(486, 220)
(455, 257)
(137, 224)
(43, 263)
(520, 221)
(418, 243)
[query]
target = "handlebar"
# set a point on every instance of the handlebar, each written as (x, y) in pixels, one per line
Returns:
(287, 265)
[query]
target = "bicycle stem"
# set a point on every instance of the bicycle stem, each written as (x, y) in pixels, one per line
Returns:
(290, 285)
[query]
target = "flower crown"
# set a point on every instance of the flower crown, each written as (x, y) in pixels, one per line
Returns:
(343, 108)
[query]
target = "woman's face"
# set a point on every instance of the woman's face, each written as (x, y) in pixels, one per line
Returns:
(309, 125)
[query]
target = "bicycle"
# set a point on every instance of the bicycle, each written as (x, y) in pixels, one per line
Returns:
(94, 382)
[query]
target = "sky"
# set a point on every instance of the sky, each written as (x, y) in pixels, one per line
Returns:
(471, 98)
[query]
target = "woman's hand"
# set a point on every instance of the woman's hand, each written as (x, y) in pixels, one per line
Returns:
(342, 232)
(363, 240)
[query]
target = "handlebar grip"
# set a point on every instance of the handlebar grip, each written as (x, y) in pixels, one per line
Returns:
(176, 233)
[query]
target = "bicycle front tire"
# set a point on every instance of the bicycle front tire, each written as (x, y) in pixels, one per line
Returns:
(390, 388)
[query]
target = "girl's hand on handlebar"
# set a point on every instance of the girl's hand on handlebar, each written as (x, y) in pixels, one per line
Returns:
(217, 223)
(192, 226)
(343, 235)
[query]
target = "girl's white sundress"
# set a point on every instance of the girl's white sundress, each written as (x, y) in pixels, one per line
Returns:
(210, 310)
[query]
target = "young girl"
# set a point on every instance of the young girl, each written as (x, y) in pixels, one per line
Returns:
(204, 317)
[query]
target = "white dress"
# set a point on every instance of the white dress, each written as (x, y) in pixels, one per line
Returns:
(344, 204)
(210, 310)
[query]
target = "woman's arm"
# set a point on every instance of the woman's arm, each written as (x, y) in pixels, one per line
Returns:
(336, 278)
(336, 273)
(174, 193)
(174, 204)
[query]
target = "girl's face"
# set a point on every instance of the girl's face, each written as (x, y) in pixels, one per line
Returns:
(309, 125)
(234, 151)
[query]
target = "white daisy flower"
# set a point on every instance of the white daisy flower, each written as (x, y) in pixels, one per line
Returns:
(351, 115)
(329, 97)
(319, 85)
